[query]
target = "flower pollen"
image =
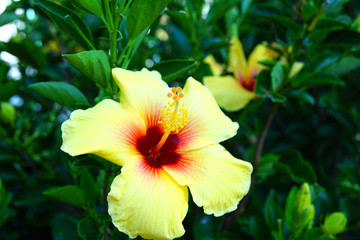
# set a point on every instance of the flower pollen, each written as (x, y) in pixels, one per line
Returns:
(174, 116)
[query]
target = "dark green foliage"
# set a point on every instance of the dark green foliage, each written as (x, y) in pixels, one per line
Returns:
(306, 182)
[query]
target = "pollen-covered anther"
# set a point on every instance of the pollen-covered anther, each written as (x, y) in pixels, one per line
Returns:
(174, 116)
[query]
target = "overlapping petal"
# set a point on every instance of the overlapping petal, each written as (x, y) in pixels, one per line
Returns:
(228, 93)
(143, 91)
(260, 53)
(106, 130)
(146, 201)
(216, 179)
(237, 60)
(207, 123)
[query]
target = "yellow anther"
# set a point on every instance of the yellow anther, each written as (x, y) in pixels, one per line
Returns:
(173, 115)
(169, 95)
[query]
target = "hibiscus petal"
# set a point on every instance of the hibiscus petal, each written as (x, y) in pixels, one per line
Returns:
(146, 201)
(260, 53)
(216, 179)
(228, 93)
(237, 60)
(106, 130)
(143, 91)
(207, 123)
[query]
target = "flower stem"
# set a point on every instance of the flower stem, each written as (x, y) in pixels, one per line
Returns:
(258, 150)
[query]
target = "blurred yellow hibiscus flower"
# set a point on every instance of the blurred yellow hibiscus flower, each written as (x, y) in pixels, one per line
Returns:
(233, 93)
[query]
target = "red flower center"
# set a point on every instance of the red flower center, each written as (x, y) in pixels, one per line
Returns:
(167, 154)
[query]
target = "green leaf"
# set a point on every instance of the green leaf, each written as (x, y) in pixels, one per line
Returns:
(266, 166)
(92, 6)
(8, 89)
(218, 8)
(94, 65)
(343, 38)
(69, 21)
(141, 14)
(182, 21)
(7, 17)
(172, 69)
(264, 89)
(88, 187)
(272, 211)
(27, 51)
(343, 66)
(309, 79)
(62, 93)
(5, 199)
(298, 169)
(276, 76)
(88, 230)
(70, 194)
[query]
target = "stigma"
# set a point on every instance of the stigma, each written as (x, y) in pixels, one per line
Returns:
(174, 116)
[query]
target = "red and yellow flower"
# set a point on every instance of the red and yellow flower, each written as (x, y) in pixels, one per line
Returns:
(234, 92)
(167, 141)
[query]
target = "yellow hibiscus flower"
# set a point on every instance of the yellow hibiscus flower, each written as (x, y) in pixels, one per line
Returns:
(167, 141)
(233, 93)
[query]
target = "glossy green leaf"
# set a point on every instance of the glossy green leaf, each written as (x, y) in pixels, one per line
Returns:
(276, 76)
(141, 15)
(88, 187)
(94, 65)
(62, 93)
(69, 21)
(70, 194)
(92, 6)
(172, 69)
(7, 17)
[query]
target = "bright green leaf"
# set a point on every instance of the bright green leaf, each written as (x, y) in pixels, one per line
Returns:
(276, 76)
(7, 17)
(69, 21)
(70, 194)
(94, 65)
(141, 14)
(92, 6)
(62, 93)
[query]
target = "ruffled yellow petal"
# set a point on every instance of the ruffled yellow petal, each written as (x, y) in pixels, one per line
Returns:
(207, 123)
(143, 91)
(260, 53)
(216, 179)
(106, 130)
(237, 60)
(228, 93)
(146, 201)
(215, 67)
